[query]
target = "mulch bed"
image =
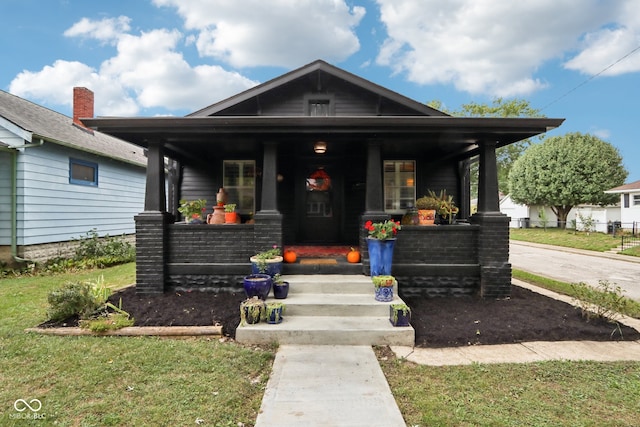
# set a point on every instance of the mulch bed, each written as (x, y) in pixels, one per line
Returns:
(439, 322)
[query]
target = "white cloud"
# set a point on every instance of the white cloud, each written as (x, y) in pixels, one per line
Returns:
(604, 47)
(487, 46)
(285, 33)
(147, 71)
(105, 30)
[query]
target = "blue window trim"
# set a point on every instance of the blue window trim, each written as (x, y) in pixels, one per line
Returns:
(93, 165)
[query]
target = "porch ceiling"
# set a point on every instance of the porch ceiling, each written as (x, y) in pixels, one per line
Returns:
(450, 136)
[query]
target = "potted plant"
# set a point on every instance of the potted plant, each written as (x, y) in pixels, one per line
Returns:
(383, 286)
(447, 209)
(274, 311)
(280, 287)
(192, 210)
(380, 243)
(230, 214)
(252, 310)
(257, 285)
(399, 314)
(427, 207)
(267, 262)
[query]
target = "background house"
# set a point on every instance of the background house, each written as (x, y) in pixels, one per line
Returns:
(629, 205)
(59, 180)
(525, 216)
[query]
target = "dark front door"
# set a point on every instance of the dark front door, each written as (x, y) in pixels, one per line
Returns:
(319, 207)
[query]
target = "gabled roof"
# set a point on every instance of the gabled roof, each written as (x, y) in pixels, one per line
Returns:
(34, 122)
(318, 66)
(627, 188)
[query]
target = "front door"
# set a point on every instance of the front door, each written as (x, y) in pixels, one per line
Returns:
(319, 191)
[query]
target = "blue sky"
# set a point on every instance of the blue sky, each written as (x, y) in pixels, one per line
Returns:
(575, 59)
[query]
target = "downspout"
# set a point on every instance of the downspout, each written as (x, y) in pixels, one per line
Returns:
(14, 196)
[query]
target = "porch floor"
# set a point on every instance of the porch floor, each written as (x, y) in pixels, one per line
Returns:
(321, 259)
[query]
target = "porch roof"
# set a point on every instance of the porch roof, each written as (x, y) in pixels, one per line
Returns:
(453, 136)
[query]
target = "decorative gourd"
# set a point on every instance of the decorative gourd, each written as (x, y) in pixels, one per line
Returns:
(353, 256)
(290, 256)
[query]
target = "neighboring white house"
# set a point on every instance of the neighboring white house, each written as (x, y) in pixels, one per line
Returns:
(523, 216)
(630, 204)
(59, 180)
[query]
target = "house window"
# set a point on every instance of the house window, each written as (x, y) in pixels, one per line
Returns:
(83, 173)
(319, 106)
(239, 182)
(399, 185)
(636, 200)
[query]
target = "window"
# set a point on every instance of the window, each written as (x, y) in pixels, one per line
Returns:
(399, 185)
(83, 173)
(625, 198)
(636, 200)
(319, 106)
(239, 182)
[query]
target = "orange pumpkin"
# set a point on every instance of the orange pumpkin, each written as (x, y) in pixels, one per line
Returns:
(290, 256)
(353, 256)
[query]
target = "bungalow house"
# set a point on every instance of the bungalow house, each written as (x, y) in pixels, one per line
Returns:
(375, 151)
(629, 205)
(60, 180)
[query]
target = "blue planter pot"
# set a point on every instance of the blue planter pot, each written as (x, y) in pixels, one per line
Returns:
(281, 290)
(270, 267)
(398, 317)
(274, 315)
(257, 285)
(380, 256)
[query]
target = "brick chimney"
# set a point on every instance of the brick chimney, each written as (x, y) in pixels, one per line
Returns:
(82, 104)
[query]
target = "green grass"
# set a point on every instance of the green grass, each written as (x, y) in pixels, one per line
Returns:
(568, 238)
(103, 381)
(533, 394)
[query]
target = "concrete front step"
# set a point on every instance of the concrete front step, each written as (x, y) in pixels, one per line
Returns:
(337, 305)
(328, 330)
(330, 310)
(331, 284)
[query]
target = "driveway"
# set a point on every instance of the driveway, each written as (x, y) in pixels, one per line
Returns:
(573, 266)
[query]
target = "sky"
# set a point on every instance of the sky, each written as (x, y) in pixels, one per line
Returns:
(572, 59)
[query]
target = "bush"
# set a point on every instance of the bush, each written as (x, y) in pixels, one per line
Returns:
(603, 302)
(72, 299)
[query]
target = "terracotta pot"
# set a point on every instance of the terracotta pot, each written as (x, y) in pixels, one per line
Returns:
(427, 216)
(230, 217)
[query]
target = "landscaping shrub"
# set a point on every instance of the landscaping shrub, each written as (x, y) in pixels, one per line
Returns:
(72, 299)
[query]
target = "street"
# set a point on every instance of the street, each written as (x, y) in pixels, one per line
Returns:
(576, 266)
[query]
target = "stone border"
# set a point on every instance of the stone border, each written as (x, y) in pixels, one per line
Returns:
(134, 331)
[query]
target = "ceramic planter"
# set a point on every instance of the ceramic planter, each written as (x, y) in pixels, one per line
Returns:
(399, 315)
(252, 311)
(271, 266)
(274, 313)
(380, 256)
(280, 290)
(257, 285)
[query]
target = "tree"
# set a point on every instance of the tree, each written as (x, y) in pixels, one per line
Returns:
(565, 171)
(505, 156)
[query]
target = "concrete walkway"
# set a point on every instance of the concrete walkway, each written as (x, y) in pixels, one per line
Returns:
(323, 385)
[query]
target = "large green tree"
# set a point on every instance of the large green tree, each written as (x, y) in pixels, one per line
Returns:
(505, 156)
(565, 171)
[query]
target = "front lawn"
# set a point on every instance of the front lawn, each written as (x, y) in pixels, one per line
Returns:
(102, 381)
(568, 238)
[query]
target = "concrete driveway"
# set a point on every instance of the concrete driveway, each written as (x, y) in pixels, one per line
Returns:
(573, 265)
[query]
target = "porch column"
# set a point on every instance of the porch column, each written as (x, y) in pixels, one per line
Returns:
(151, 241)
(493, 237)
(268, 220)
(488, 199)
(374, 198)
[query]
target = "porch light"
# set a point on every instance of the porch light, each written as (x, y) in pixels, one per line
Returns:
(320, 147)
